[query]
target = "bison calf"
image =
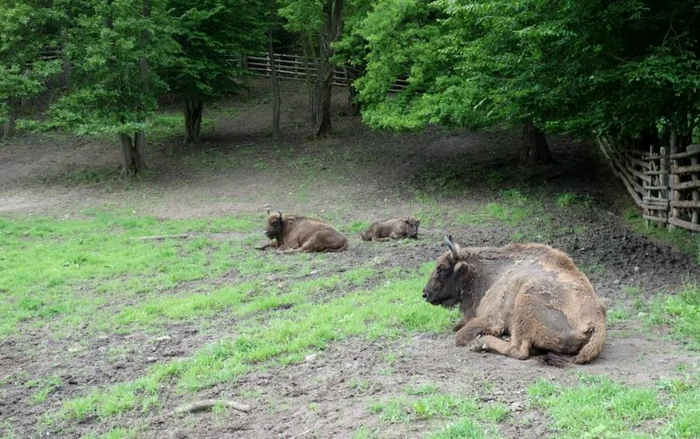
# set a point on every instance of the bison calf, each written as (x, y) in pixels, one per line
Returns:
(292, 234)
(532, 292)
(393, 228)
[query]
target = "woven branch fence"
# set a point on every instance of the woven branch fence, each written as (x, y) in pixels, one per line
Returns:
(665, 185)
(299, 67)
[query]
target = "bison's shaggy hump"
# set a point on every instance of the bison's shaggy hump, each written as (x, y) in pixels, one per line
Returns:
(392, 228)
(292, 234)
(532, 292)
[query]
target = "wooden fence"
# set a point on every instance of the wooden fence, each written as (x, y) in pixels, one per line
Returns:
(665, 186)
(298, 67)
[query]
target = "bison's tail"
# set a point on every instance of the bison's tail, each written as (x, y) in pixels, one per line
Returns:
(594, 347)
(552, 359)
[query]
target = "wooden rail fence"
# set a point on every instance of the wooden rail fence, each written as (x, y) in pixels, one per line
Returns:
(665, 186)
(298, 67)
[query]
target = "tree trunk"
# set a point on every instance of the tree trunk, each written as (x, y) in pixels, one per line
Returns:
(274, 79)
(8, 128)
(192, 110)
(127, 148)
(535, 148)
(321, 99)
(351, 73)
(137, 162)
(132, 154)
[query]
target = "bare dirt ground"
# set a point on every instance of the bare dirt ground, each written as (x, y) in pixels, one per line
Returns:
(356, 175)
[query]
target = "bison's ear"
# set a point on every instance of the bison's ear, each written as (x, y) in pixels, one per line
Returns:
(459, 266)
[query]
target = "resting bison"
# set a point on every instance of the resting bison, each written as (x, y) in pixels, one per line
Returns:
(532, 292)
(393, 228)
(294, 234)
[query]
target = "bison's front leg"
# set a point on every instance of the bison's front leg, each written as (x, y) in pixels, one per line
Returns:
(471, 330)
(268, 245)
(288, 247)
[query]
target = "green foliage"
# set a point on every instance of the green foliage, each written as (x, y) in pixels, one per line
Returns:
(212, 34)
(105, 44)
(26, 29)
(615, 68)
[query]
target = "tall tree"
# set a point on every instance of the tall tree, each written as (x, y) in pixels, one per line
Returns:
(211, 34)
(325, 19)
(27, 29)
(115, 50)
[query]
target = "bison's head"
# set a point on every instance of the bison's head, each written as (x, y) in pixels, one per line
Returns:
(412, 227)
(446, 282)
(274, 225)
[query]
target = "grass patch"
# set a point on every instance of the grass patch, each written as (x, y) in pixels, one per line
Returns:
(681, 313)
(617, 315)
(438, 406)
(432, 407)
(601, 408)
(287, 337)
(684, 240)
(44, 388)
(67, 270)
(167, 125)
(115, 433)
(570, 199)
(464, 429)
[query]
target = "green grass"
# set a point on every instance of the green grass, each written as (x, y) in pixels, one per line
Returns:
(681, 313)
(68, 270)
(617, 315)
(115, 433)
(287, 337)
(682, 239)
(463, 429)
(599, 407)
(44, 388)
(437, 406)
(165, 125)
(463, 415)
(570, 199)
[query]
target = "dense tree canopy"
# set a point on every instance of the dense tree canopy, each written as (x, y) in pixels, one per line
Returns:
(625, 68)
(605, 67)
(27, 29)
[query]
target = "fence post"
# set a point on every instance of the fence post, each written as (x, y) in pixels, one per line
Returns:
(664, 180)
(695, 176)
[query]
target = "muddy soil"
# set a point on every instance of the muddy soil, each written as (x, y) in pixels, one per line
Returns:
(356, 175)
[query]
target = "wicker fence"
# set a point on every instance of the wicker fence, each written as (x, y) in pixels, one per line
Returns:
(665, 186)
(298, 67)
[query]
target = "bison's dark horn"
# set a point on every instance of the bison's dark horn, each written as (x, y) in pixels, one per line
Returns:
(280, 214)
(451, 245)
(268, 211)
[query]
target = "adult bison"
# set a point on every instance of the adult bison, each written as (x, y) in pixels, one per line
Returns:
(292, 234)
(392, 228)
(532, 292)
